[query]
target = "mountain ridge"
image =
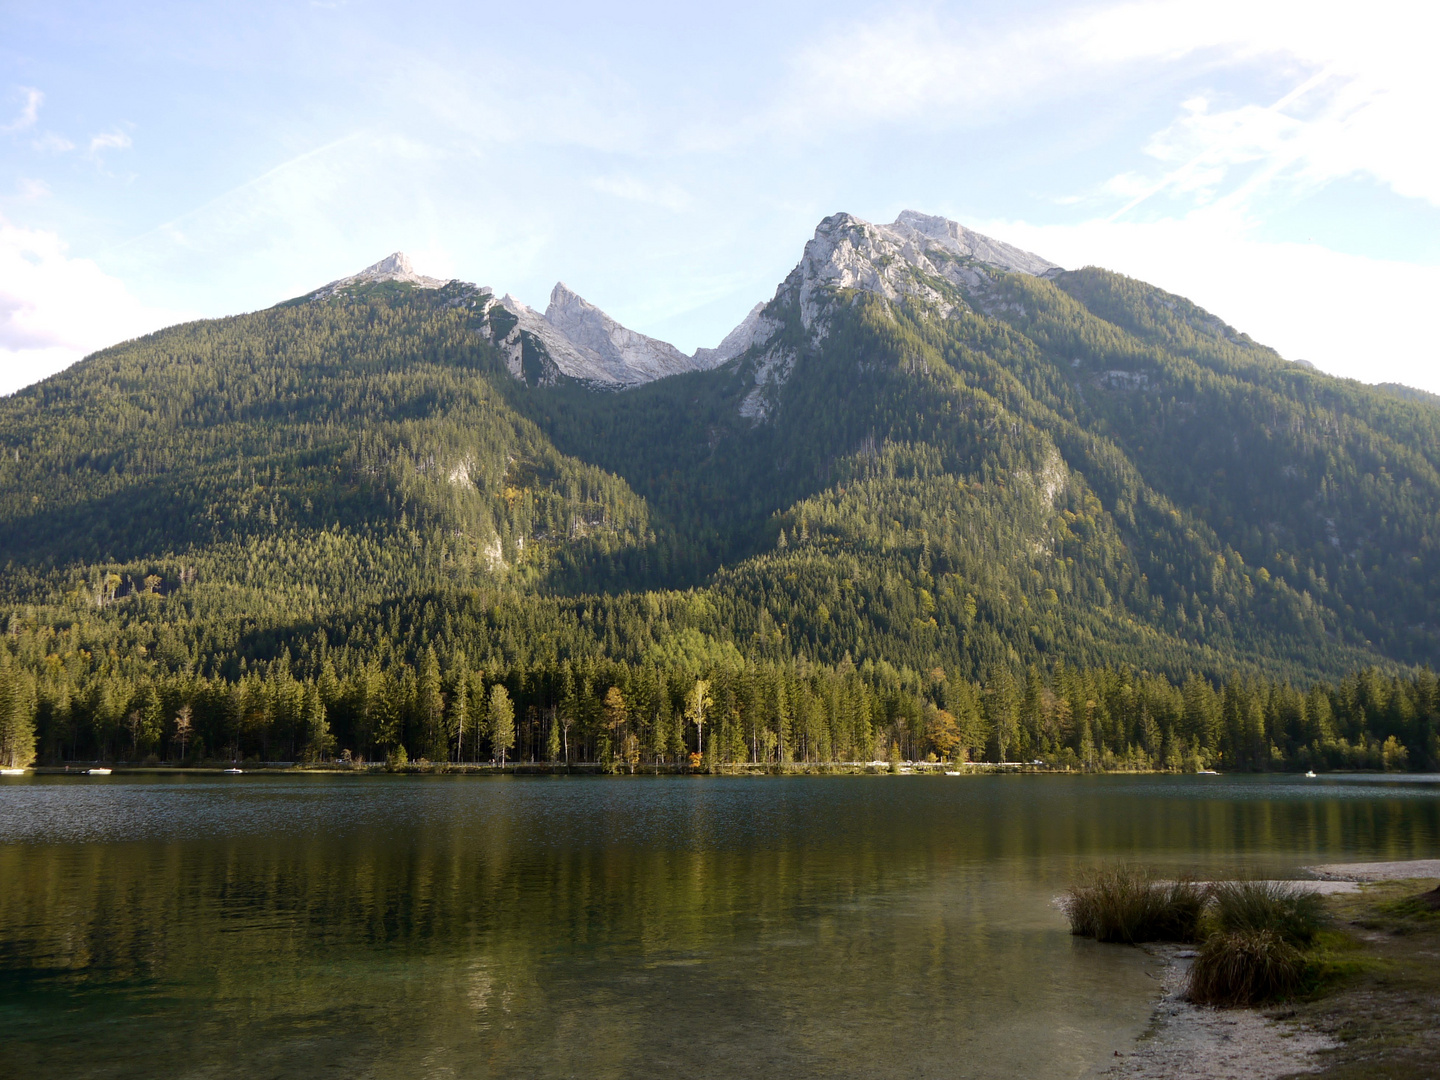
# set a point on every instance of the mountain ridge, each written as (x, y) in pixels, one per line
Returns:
(1066, 463)
(575, 339)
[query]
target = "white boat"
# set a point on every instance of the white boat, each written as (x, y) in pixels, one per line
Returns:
(97, 772)
(234, 772)
(1206, 772)
(12, 772)
(1310, 775)
(949, 773)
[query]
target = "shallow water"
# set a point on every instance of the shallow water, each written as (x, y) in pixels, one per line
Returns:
(340, 926)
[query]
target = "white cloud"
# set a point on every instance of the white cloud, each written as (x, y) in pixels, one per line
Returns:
(29, 112)
(1351, 94)
(1357, 317)
(55, 309)
(28, 189)
(51, 143)
(666, 195)
(109, 140)
(1369, 93)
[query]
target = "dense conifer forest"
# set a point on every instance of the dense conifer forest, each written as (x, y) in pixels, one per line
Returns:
(1081, 522)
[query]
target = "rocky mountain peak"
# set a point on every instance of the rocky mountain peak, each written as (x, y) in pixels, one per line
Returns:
(397, 264)
(576, 339)
(955, 238)
(895, 260)
(394, 267)
(914, 256)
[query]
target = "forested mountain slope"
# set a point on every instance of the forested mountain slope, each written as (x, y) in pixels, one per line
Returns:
(1187, 497)
(930, 455)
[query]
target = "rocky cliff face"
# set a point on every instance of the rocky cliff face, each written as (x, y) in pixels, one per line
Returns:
(926, 259)
(624, 355)
(575, 339)
(394, 267)
(914, 257)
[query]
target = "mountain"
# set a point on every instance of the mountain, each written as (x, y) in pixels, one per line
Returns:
(573, 339)
(396, 268)
(1067, 434)
(929, 458)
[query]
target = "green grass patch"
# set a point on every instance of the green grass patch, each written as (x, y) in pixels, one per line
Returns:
(1246, 967)
(1294, 915)
(1129, 905)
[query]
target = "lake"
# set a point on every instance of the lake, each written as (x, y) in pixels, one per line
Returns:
(430, 926)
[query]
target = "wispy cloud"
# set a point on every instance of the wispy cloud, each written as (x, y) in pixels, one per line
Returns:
(1362, 98)
(109, 140)
(294, 187)
(29, 189)
(29, 111)
(54, 308)
(663, 194)
(51, 143)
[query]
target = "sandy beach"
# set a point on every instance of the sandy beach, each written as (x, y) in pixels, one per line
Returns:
(1189, 1042)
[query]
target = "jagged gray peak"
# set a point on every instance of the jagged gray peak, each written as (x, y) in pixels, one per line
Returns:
(576, 339)
(396, 267)
(622, 354)
(958, 240)
(907, 258)
(755, 327)
(573, 337)
(558, 348)
(893, 260)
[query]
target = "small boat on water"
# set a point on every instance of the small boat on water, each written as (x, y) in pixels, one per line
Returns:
(949, 773)
(97, 772)
(12, 772)
(1206, 772)
(1310, 775)
(234, 772)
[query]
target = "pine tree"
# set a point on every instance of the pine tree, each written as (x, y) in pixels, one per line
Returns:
(431, 707)
(458, 721)
(501, 721)
(319, 742)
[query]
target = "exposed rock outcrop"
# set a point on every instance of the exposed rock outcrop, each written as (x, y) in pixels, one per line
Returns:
(914, 257)
(574, 339)
(624, 355)
(394, 267)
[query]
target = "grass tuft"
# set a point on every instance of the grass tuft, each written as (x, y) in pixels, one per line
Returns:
(1245, 967)
(1294, 915)
(1128, 905)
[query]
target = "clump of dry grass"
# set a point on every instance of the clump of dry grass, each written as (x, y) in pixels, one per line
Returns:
(1268, 905)
(1129, 905)
(1253, 953)
(1245, 967)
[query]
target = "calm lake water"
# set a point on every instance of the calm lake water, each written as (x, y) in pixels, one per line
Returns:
(338, 926)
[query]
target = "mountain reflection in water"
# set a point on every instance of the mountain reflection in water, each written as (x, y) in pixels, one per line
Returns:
(473, 927)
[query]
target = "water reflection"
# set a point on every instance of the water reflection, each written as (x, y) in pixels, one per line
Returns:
(401, 927)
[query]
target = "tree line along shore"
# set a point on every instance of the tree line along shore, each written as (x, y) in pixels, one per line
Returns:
(342, 705)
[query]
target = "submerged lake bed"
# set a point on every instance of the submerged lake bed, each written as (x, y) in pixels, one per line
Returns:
(451, 926)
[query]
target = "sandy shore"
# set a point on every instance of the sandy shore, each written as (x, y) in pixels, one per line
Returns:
(1377, 871)
(1190, 1042)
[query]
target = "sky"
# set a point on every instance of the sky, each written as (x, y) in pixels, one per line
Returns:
(1276, 163)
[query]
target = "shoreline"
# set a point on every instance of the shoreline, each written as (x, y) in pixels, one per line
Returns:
(1192, 1042)
(595, 768)
(1197, 1042)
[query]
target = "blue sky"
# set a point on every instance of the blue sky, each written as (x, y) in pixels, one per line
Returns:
(1277, 163)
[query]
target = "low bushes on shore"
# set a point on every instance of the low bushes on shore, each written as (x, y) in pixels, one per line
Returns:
(1253, 934)
(1128, 905)
(1254, 951)
(1296, 915)
(1245, 967)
